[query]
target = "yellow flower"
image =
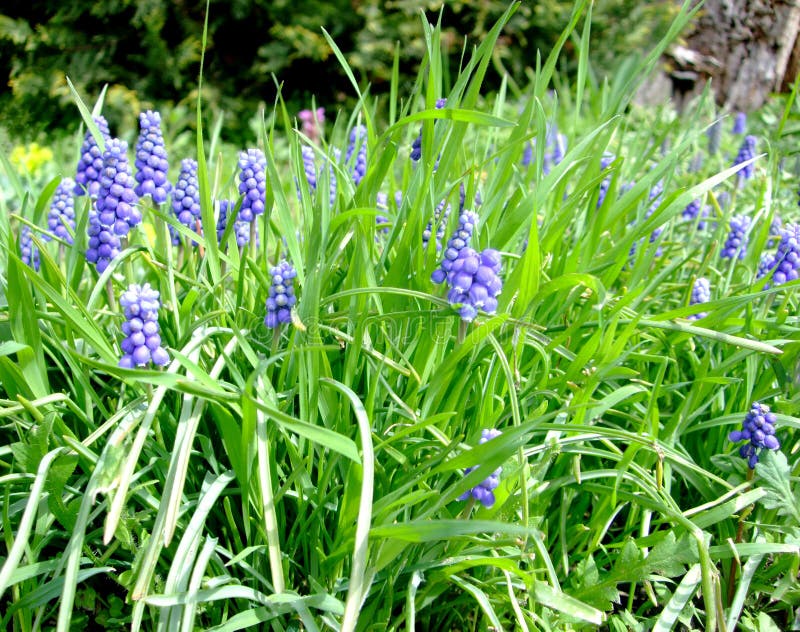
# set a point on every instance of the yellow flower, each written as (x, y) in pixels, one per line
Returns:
(28, 160)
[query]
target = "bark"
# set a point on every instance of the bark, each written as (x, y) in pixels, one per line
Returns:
(752, 42)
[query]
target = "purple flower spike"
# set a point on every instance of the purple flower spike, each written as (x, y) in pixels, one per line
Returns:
(701, 293)
(740, 123)
(241, 229)
(758, 428)
(103, 243)
(746, 152)
(62, 212)
(90, 164)
(116, 198)
(416, 146)
(738, 237)
(28, 252)
(281, 297)
(484, 491)
(309, 166)
(252, 183)
(474, 282)
(785, 265)
(358, 146)
(605, 163)
(151, 159)
(142, 344)
(186, 198)
(440, 216)
(458, 241)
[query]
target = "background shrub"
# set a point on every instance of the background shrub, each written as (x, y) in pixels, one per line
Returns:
(149, 51)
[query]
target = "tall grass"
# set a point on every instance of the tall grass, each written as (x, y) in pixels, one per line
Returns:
(309, 479)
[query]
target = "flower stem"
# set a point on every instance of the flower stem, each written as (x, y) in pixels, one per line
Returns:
(739, 537)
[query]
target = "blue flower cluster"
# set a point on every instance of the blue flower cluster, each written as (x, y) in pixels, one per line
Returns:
(28, 252)
(555, 148)
(693, 209)
(186, 198)
(785, 265)
(103, 243)
(758, 428)
(605, 163)
(116, 198)
(460, 240)
(241, 229)
(738, 237)
(701, 293)
(440, 216)
(357, 146)
(416, 146)
(252, 183)
(474, 282)
(90, 164)
(309, 166)
(337, 156)
(61, 218)
(740, 123)
(142, 343)
(746, 152)
(484, 491)
(281, 297)
(151, 159)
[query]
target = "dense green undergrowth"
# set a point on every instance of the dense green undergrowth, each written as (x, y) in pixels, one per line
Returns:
(309, 478)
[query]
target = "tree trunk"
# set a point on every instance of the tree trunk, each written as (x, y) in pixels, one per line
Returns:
(751, 42)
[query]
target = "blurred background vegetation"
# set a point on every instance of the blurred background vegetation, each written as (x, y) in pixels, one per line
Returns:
(148, 51)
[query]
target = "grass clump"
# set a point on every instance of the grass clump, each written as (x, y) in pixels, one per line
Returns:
(336, 442)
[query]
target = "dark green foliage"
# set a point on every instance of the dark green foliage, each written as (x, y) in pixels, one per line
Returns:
(149, 51)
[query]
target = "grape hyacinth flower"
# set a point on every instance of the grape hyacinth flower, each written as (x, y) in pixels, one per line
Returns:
(440, 216)
(484, 491)
(337, 156)
(241, 229)
(746, 152)
(740, 123)
(103, 243)
(90, 164)
(474, 282)
(281, 297)
(693, 209)
(252, 183)
(736, 243)
(142, 344)
(151, 159)
(527, 154)
(312, 123)
(62, 212)
(186, 198)
(460, 240)
(28, 252)
(765, 266)
(701, 293)
(416, 146)
(357, 146)
(381, 221)
(605, 163)
(758, 428)
(785, 266)
(309, 166)
(116, 198)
